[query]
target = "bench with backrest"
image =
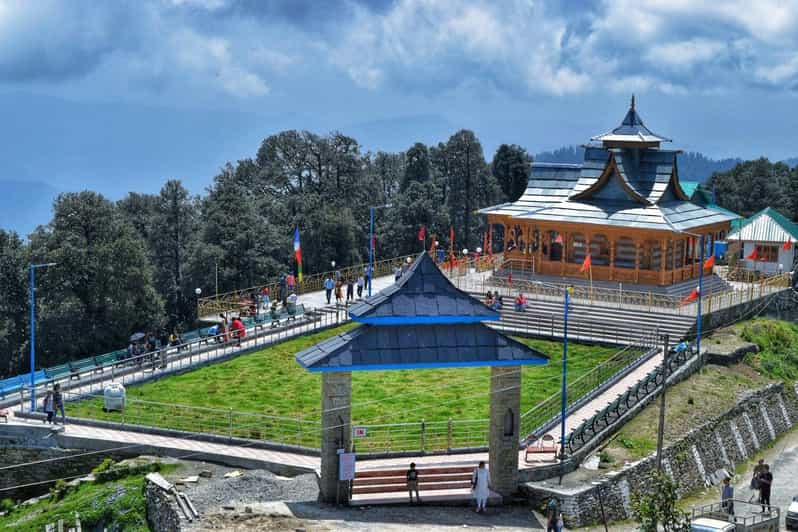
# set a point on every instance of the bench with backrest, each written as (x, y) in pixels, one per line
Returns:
(4, 414)
(429, 479)
(11, 385)
(541, 446)
(62, 371)
(107, 360)
(80, 366)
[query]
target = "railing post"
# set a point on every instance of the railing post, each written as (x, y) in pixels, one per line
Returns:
(423, 435)
(230, 424)
(449, 435)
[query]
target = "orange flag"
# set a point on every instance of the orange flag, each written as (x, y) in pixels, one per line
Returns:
(710, 262)
(788, 244)
(691, 297)
(586, 265)
(510, 279)
(558, 240)
(753, 255)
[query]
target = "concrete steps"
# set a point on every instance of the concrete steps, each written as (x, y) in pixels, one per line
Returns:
(590, 323)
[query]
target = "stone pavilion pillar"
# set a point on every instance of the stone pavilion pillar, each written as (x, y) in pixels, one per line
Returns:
(336, 428)
(505, 418)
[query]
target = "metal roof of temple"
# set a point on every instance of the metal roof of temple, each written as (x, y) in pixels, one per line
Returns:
(423, 295)
(631, 131)
(369, 347)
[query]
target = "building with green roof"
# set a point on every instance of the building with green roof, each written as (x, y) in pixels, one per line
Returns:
(772, 235)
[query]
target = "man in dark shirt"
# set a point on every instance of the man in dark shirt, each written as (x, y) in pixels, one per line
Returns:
(412, 482)
(765, 481)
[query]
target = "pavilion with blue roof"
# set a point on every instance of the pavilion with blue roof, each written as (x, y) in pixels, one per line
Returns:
(421, 322)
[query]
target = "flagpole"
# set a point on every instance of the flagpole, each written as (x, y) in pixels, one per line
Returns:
(564, 394)
(700, 297)
(371, 246)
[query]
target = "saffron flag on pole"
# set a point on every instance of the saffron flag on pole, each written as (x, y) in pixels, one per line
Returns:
(788, 244)
(451, 237)
(710, 262)
(690, 297)
(753, 255)
(586, 264)
(422, 233)
(298, 255)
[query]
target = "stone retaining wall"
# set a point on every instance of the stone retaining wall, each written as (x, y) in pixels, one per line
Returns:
(699, 459)
(163, 514)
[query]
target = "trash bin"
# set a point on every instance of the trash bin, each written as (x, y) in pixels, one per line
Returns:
(114, 396)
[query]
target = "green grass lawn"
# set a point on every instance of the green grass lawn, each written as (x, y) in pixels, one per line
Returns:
(271, 382)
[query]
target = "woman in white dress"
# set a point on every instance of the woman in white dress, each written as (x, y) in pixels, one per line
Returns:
(479, 484)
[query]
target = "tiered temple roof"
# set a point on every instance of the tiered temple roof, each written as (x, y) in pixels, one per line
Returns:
(625, 181)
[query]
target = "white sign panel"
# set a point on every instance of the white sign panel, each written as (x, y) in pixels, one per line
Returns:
(346, 466)
(360, 432)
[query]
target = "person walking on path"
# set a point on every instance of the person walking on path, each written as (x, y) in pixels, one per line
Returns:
(58, 402)
(759, 468)
(350, 290)
(412, 483)
(329, 284)
(361, 282)
(48, 407)
(239, 330)
(397, 274)
(765, 483)
(339, 295)
(479, 485)
(552, 515)
(290, 282)
(727, 496)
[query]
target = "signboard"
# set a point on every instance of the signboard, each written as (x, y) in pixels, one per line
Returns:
(360, 432)
(346, 466)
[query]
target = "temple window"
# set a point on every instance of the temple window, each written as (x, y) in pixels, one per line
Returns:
(625, 250)
(600, 250)
(577, 248)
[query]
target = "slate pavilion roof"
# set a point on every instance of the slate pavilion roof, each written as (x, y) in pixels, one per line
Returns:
(391, 347)
(423, 295)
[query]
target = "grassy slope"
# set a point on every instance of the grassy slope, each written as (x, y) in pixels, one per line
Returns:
(688, 405)
(271, 382)
(778, 347)
(120, 502)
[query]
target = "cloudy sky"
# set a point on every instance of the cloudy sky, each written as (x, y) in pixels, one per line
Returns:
(120, 95)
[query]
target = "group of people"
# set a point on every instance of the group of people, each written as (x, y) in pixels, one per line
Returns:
(761, 483)
(223, 331)
(54, 402)
(154, 346)
(494, 300)
(338, 284)
(479, 485)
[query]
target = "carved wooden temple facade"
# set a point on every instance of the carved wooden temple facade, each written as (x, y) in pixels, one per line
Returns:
(623, 205)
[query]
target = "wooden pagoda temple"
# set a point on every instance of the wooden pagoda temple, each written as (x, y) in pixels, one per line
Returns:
(623, 205)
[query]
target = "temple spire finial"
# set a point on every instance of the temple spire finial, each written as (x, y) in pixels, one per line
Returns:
(633, 102)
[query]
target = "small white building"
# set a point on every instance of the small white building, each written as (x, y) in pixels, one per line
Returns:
(773, 236)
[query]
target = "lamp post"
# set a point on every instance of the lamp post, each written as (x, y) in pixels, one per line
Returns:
(32, 276)
(198, 293)
(371, 241)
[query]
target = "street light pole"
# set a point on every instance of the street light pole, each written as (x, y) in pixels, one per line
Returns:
(371, 242)
(32, 279)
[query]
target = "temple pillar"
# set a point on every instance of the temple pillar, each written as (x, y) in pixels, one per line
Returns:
(505, 420)
(539, 251)
(684, 254)
(637, 261)
(336, 428)
(612, 259)
(663, 256)
(564, 253)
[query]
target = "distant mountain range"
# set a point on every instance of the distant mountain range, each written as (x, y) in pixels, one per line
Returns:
(25, 205)
(693, 166)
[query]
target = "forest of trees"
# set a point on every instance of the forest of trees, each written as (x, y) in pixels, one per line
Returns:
(133, 264)
(753, 185)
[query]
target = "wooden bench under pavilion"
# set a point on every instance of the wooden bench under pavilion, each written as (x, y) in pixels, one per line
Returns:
(421, 322)
(623, 205)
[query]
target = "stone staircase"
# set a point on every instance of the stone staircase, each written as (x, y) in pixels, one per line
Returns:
(591, 323)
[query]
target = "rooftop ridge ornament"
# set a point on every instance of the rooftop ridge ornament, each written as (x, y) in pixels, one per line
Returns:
(631, 133)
